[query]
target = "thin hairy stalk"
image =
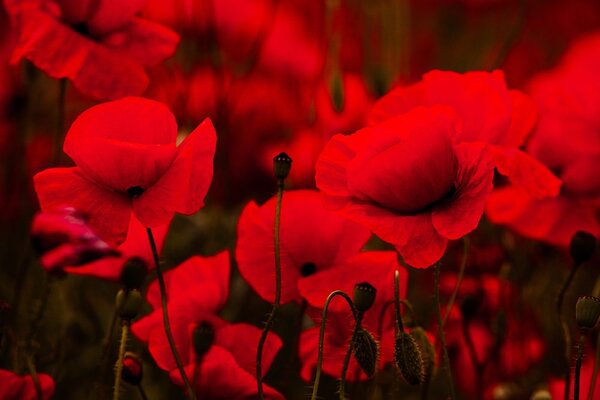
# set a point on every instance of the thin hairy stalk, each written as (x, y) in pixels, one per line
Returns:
(461, 275)
(578, 365)
(565, 328)
(165, 312)
(478, 367)
(322, 336)
(359, 316)
(441, 335)
(276, 304)
(595, 372)
(119, 364)
(34, 376)
(399, 325)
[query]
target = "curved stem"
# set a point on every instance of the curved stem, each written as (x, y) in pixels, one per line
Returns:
(165, 312)
(441, 331)
(142, 392)
(478, 367)
(34, 376)
(276, 303)
(399, 325)
(357, 323)
(578, 365)
(322, 336)
(119, 364)
(461, 275)
(595, 372)
(565, 328)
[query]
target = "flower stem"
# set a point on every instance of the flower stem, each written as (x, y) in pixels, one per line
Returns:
(276, 303)
(119, 364)
(461, 274)
(322, 336)
(102, 363)
(478, 367)
(565, 328)
(357, 323)
(578, 365)
(142, 392)
(595, 372)
(441, 331)
(34, 376)
(165, 312)
(399, 325)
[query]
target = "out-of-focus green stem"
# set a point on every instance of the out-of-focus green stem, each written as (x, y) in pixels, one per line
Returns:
(441, 331)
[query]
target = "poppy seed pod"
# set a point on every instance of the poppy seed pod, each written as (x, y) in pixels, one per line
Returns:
(409, 359)
(282, 163)
(366, 351)
(132, 371)
(364, 296)
(587, 312)
(133, 273)
(582, 247)
(128, 303)
(203, 338)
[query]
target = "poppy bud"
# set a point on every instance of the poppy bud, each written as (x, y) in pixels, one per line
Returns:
(587, 312)
(364, 296)
(282, 163)
(366, 351)
(427, 351)
(409, 359)
(133, 273)
(541, 394)
(133, 371)
(582, 247)
(203, 338)
(128, 303)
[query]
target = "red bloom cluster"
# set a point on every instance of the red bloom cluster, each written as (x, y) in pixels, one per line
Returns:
(15, 387)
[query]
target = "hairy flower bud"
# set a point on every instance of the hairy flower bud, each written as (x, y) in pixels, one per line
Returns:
(582, 247)
(409, 359)
(133, 273)
(128, 303)
(133, 370)
(364, 296)
(587, 312)
(282, 163)
(427, 351)
(366, 351)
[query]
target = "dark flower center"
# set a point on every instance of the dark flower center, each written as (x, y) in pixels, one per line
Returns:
(307, 269)
(203, 338)
(135, 191)
(81, 28)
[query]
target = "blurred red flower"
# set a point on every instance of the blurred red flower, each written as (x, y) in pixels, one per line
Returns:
(488, 112)
(15, 387)
(567, 141)
(99, 45)
(198, 291)
(128, 162)
(62, 238)
(557, 386)
(407, 181)
(313, 240)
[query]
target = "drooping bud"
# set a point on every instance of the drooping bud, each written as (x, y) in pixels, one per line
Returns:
(282, 163)
(202, 338)
(364, 296)
(133, 370)
(409, 359)
(541, 394)
(128, 303)
(366, 351)
(582, 247)
(587, 312)
(427, 351)
(133, 273)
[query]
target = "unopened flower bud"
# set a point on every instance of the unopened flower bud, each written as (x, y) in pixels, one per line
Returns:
(133, 370)
(364, 296)
(409, 359)
(366, 351)
(282, 163)
(582, 247)
(541, 394)
(587, 312)
(427, 351)
(128, 303)
(203, 337)
(133, 273)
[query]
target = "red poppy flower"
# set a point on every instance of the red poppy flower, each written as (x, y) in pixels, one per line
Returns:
(99, 45)
(313, 240)
(567, 98)
(62, 238)
(407, 182)
(488, 112)
(198, 290)
(375, 267)
(135, 246)
(128, 162)
(15, 387)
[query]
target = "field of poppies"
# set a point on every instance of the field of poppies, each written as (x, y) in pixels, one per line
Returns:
(291, 199)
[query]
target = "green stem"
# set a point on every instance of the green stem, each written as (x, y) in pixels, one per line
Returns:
(165, 312)
(142, 392)
(357, 323)
(276, 303)
(478, 367)
(322, 336)
(399, 325)
(461, 275)
(441, 331)
(596, 368)
(119, 364)
(565, 328)
(578, 365)
(34, 376)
